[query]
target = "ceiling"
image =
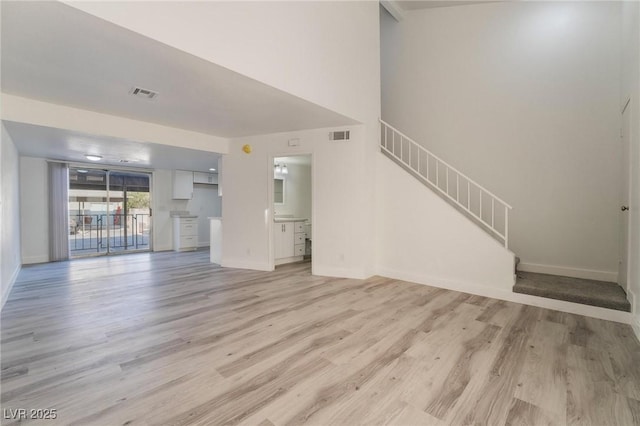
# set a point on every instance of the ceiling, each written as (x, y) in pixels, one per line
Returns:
(72, 146)
(55, 53)
(427, 4)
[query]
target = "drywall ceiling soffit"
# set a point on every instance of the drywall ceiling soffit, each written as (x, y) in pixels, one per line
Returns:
(409, 5)
(394, 9)
(58, 54)
(71, 146)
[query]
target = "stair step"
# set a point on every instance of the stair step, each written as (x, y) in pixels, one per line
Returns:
(587, 292)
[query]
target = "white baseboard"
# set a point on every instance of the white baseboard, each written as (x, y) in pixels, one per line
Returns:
(286, 260)
(12, 281)
(636, 327)
(331, 271)
(203, 244)
(465, 287)
(243, 264)
(589, 274)
(510, 296)
(631, 297)
(635, 323)
(29, 260)
(157, 247)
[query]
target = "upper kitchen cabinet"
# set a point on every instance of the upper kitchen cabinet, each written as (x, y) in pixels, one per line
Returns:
(182, 185)
(206, 178)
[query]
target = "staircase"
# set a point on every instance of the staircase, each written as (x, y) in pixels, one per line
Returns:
(473, 200)
(491, 213)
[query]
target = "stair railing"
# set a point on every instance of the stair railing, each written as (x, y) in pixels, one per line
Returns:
(469, 196)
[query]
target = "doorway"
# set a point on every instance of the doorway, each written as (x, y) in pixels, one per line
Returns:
(109, 212)
(623, 268)
(292, 206)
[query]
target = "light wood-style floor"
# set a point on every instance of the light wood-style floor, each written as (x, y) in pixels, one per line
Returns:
(171, 339)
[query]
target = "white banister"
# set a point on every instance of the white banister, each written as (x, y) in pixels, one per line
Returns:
(500, 230)
(506, 226)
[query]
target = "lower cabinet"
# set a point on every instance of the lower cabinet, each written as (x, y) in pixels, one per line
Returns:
(185, 233)
(289, 242)
(298, 238)
(283, 239)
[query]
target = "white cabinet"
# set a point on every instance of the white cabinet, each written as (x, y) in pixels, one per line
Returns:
(208, 178)
(182, 185)
(298, 239)
(289, 242)
(215, 235)
(284, 243)
(185, 233)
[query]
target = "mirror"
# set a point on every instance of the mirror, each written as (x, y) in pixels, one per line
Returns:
(278, 191)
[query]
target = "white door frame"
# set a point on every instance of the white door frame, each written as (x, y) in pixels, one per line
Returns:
(624, 267)
(269, 214)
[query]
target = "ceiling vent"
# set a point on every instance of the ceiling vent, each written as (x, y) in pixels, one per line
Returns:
(139, 92)
(341, 135)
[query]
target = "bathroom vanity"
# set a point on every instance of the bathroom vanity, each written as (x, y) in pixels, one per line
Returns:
(289, 240)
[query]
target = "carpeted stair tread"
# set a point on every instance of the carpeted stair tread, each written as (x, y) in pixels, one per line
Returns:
(587, 292)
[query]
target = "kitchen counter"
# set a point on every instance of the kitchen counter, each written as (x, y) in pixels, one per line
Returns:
(182, 214)
(289, 219)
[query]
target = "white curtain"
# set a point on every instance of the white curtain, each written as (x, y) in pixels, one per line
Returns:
(58, 211)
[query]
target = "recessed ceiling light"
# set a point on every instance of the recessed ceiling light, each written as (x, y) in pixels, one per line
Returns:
(212, 169)
(93, 157)
(82, 171)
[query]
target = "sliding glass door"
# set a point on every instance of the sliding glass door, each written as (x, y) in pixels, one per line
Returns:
(129, 211)
(109, 211)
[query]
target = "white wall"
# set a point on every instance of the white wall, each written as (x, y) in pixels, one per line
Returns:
(10, 244)
(423, 239)
(337, 222)
(34, 208)
(630, 88)
(205, 203)
(297, 192)
(524, 98)
(163, 204)
(324, 52)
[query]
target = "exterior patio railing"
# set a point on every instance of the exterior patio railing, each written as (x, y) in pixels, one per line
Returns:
(88, 232)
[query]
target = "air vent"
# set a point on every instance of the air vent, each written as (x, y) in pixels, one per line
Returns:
(342, 135)
(139, 92)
